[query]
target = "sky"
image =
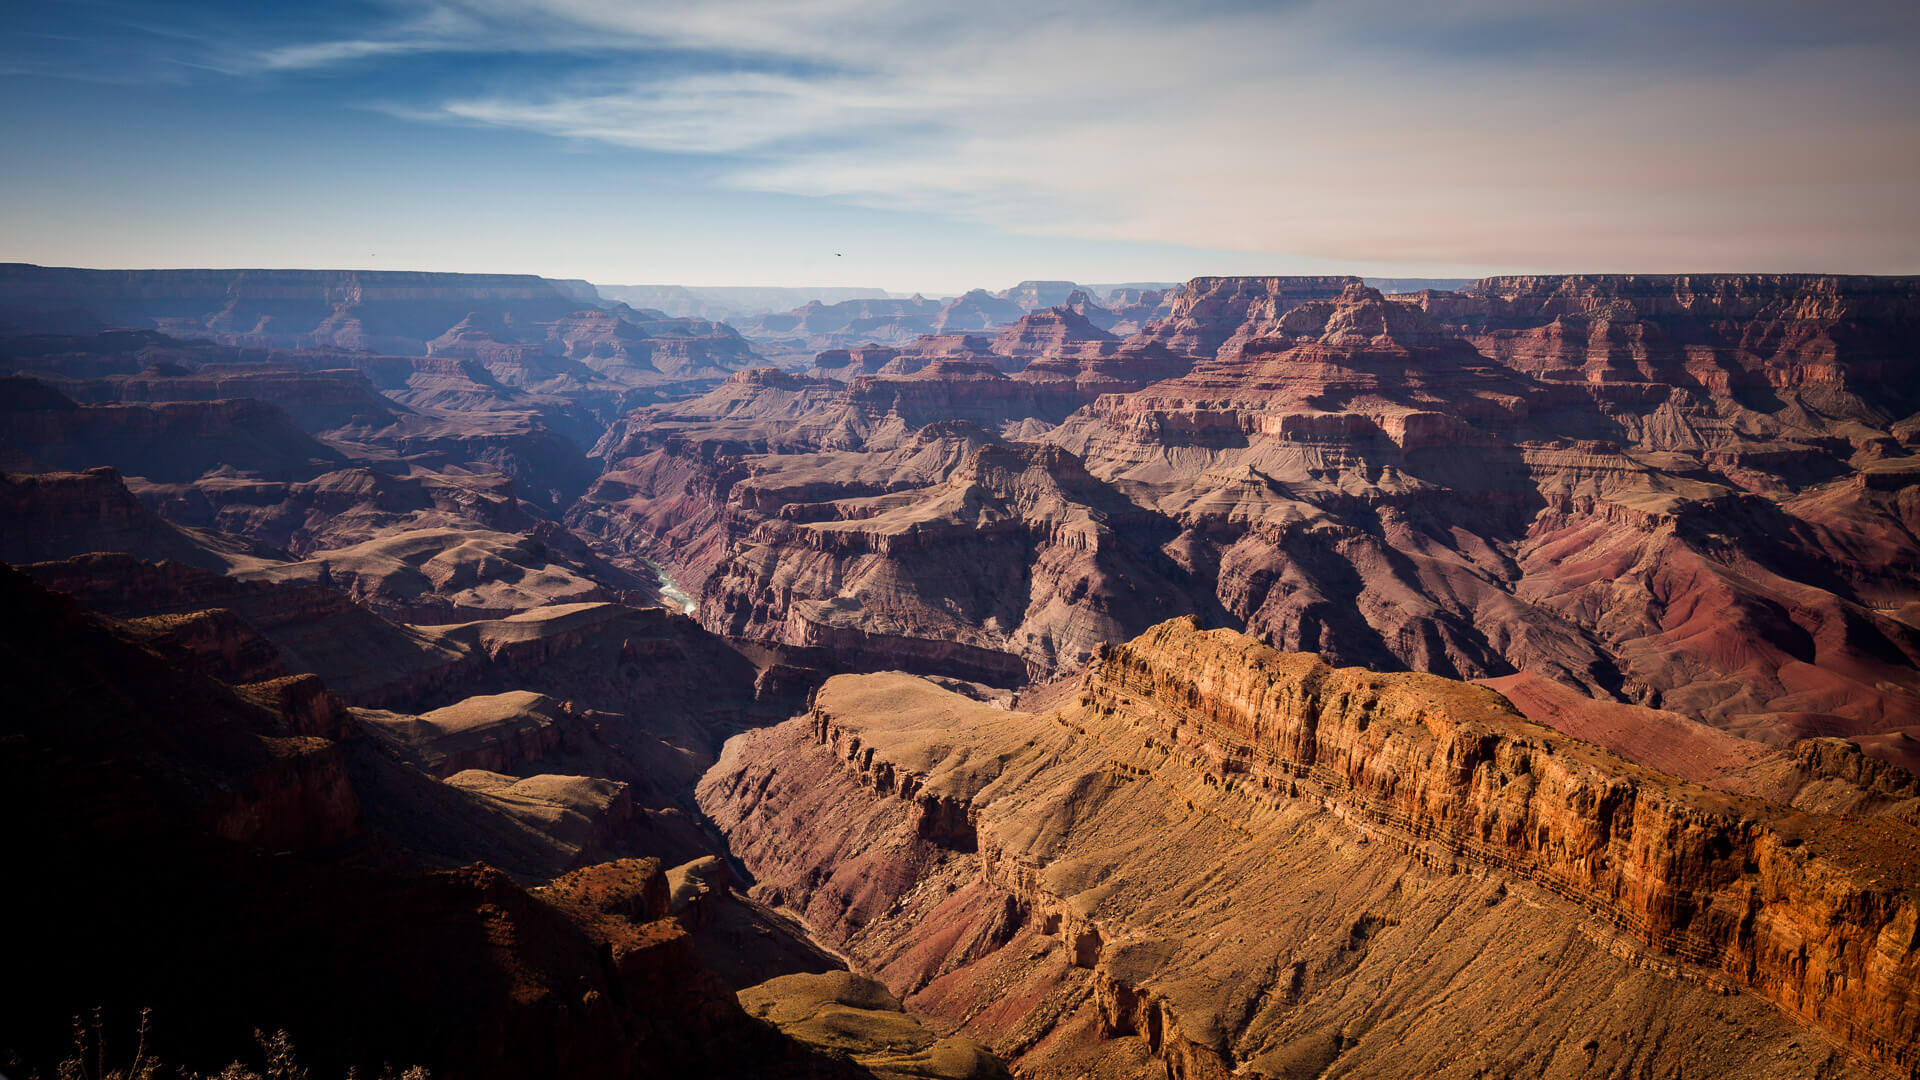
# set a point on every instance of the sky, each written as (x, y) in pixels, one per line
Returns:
(945, 146)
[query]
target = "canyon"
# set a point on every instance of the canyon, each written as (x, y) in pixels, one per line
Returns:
(1262, 676)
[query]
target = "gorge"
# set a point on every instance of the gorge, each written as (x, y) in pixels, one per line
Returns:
(1261, 677)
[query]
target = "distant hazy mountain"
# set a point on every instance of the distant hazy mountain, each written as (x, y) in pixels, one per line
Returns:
(1104, 291)
(1392, 285)
(729, 301)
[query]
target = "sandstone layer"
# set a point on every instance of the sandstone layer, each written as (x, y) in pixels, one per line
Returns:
(1214, 859)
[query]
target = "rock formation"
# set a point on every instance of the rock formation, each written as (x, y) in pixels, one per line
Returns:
(1233, 861)
(1384, 480)
(856, 1016)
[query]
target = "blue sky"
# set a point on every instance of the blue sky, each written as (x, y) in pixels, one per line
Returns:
(940, 147)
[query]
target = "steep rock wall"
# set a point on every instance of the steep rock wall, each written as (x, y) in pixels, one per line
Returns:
(1215, 858)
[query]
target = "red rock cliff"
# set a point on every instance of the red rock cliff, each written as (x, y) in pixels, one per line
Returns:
(1816, 915)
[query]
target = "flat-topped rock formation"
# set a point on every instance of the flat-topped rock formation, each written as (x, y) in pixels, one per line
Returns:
(315, 400)
(173, 441)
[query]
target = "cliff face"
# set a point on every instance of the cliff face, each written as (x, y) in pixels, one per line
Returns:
(57, 515)
(1236, 861)
(1018, 552)
(316, 401)
(175, 441)
(1664, 515)
(1816, 914)
(1328, 464)
(1210, 311)
(1754, 333)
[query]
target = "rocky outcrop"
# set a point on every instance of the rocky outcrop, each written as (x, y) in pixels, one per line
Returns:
(580, 820)
(344, 507)
(633, 346)
(1737, 886)
(54, 515)
(862, 319)
(867, 324)
(941, 389)
(1049, 331)
(1209, 311)
(844, 1013)
(215, 642)
(317, 401)
(1081, 374)
(1019, 552)
(1233, 861)
(169, 441)
(1134, 309)
(842, 364)
(312, 629)
(446, 575)
(498, 733)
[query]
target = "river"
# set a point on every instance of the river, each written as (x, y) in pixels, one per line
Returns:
(672, 592)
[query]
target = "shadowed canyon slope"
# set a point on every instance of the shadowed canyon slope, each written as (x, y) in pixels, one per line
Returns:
(252, 824)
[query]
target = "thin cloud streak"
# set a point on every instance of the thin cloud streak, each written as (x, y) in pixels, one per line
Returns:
(1250, 131)
(1485, 133)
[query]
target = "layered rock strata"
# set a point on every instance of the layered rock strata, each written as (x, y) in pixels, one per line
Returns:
(1228, 860)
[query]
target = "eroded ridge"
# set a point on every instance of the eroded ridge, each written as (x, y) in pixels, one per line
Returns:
(1819, 920)
(1236, 861)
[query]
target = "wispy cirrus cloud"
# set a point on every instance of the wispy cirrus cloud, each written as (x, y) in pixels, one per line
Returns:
(328, 53)
(1640, 135)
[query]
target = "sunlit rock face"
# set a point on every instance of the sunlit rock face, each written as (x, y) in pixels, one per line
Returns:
(1210, 857)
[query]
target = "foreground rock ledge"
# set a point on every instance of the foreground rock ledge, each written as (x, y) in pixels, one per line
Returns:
(1213, 858)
